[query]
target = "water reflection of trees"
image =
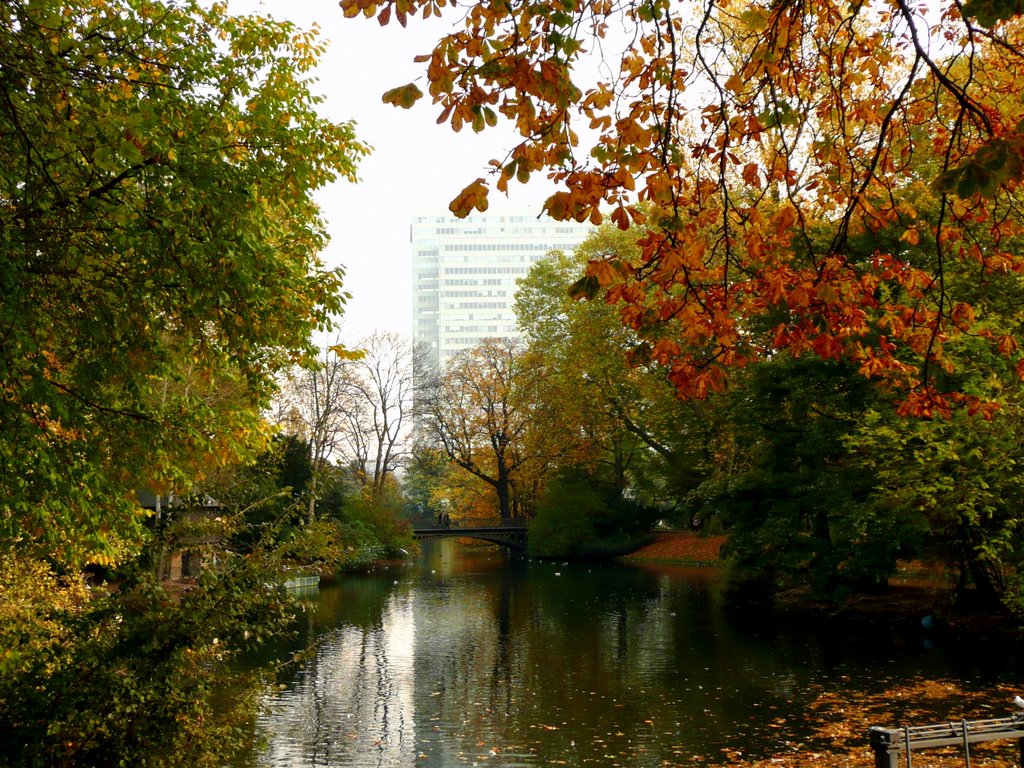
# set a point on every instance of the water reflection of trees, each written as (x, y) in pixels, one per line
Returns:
(353, 703)
(611, 659)
(545, 662)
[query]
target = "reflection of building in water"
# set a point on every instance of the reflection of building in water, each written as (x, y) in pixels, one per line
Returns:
(355, 704)
(460, 675)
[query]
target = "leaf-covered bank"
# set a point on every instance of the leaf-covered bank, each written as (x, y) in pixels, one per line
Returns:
(840, 723)
(680, 547)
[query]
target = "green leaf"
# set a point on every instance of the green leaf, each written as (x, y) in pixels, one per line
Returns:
(996, 163)
(586, 287)
(988, 13)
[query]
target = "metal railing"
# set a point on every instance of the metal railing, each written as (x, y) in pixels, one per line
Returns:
(893, 746)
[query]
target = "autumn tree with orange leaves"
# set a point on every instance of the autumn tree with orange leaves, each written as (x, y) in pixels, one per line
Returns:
(758, 147)
(474, 413)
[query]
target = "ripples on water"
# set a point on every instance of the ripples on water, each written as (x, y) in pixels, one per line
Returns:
(470, 658)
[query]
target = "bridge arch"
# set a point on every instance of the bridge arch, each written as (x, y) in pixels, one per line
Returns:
(510, 536)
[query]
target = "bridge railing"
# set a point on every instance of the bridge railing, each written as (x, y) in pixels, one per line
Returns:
(496, 522)
(513, 537)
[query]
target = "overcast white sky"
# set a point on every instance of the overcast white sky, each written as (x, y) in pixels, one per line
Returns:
(416, 164)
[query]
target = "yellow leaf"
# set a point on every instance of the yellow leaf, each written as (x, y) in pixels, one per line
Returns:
(347, 354)
(735, 84)
(403, 96)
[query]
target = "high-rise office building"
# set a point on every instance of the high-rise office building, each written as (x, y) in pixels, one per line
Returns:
(465, 271)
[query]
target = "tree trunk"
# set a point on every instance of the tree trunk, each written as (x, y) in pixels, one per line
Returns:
(504, 488)
(311, 514)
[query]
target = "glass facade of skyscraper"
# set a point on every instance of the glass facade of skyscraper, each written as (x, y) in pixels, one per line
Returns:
(465, 271)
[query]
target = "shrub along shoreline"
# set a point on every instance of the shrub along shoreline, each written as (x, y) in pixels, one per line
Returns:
(918, 595)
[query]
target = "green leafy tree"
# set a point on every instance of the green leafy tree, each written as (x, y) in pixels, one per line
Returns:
(957, 485)
(566, 515)
(131, 677)
(579, 516)
(159, 269)
(159, 242)
(602, 397)
(794, 499)
(824, 489)
(423, 477)
(954, 486)
(578, 352)
(266, 494)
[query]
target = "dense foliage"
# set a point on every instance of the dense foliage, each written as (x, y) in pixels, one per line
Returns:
(159, 245)
(89, 678)
(795, 181)
(823, 486)
(578, 516)
(159, 269)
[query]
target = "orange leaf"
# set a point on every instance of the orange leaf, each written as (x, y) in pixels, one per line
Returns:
(664, 350)
(911, 236)
(1007, 345)
(785, 219)
(603, 270)
(751, 176)
(620, 218)
(473, 196)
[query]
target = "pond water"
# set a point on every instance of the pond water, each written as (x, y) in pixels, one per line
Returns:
(471, 657)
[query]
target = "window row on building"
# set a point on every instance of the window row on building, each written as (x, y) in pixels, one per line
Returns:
(450, 259)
